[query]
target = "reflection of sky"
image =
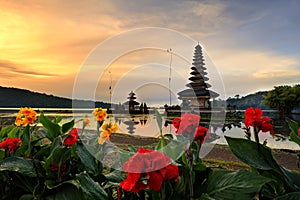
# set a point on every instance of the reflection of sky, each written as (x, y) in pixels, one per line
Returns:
(150, 129)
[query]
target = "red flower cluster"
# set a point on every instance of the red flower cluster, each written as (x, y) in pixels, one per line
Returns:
(148, 169)
(254, 118)
(72, 137)
(189, 123)
(10, 144)
(299, 131)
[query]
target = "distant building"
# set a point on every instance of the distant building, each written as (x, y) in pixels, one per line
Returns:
(133, 105)
(197, 96)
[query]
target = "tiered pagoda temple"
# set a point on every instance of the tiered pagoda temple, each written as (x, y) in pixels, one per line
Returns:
(197, 96)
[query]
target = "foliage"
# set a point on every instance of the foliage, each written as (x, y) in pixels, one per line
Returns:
(251, 100)
(14, 97)
(283, 98)
(53, 161)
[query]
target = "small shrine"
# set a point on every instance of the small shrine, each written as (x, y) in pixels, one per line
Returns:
(197, 96)
(135, 107)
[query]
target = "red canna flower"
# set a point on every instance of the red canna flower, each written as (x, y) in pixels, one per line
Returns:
(200, 134)
(148, 169)
(10, 144)
(187, 123)
(254, 118)
(299, 131)
(72, 138)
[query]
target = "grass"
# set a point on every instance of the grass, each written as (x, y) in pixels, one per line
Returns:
(221, 164)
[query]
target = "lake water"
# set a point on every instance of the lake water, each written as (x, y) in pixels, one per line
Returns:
(146, 125)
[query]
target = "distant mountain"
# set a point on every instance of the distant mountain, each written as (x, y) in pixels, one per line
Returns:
(14, 97)
(251, 100)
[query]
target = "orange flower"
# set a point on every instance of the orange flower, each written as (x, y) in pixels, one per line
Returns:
(99, 114)
(107, 130)
(86, 121)
(25, 116)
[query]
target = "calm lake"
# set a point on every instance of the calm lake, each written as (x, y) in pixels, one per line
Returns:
(146, 125)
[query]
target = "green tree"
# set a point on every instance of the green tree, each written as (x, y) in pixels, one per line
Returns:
(283, 98)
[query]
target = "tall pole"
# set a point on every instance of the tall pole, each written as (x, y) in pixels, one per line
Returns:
(170, 75)
(110, 89)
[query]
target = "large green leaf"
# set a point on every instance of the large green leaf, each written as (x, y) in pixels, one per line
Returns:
(260, 157)
(253, 154)
(292, 177)
(53, 128)
(18, 164)
(114, 176)
(66, 192)
(289, 196)
(234, 185)
(87, 158)
(91, 188)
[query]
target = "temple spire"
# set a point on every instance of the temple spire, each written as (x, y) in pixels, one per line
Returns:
(198, 95)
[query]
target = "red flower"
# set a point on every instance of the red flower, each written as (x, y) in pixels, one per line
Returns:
(200, 133)
(10, 144)
(72, 138)
(299, 131)
(254, 118)
(187, 123)
(148, 169)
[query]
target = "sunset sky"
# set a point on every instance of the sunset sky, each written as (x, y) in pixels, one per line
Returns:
(253, 45)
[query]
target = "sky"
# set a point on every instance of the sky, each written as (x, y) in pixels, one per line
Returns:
(77, 49)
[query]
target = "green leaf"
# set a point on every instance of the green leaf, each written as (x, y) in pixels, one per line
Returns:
(66, 192)
(57, 119)
(114, 176)
(292, 176)
(293, 125)
(253, 154)
(259, 157)
(26, 141)
(234, 185)
(294, 137)
(18, 164)
(205, 196)
(86, 158)
(289, 196)
(59, 156)
(53, 128)
(158, 120)
(294, 131)
(13, 132)
(67, 126)
(91, 188)
(174, 149)
(27, 197)
(161, 143)
(4, 131)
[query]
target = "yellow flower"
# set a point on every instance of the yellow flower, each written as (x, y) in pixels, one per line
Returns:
(99, 114)
(107, 130)
(86, 121)
(25, 116)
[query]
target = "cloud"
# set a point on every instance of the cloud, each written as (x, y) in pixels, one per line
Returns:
(13, 69)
